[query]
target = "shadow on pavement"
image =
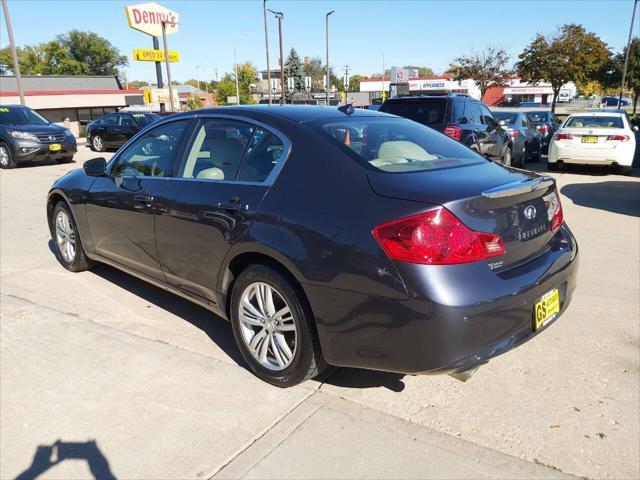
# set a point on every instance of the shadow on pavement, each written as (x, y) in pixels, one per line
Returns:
(613, 196)
(48, 456)
(218, 329)
(42, 163)
(359, 378)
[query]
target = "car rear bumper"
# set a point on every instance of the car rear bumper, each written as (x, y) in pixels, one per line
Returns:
(622, 154)
(455, 319)
(26, 150)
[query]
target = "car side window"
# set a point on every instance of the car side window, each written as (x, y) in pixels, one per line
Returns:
(109, 120)
(125, 121)
(487, 117)
(152, 154)
(217, 150)
(265, 151)
(474, 114)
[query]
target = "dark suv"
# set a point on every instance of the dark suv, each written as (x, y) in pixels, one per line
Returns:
(460, 117)
(27, 135)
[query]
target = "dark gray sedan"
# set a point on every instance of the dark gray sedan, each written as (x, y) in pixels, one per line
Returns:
(327, 237)
(527, 142)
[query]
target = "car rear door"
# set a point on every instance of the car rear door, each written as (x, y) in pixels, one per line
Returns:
(214, 200)
(121, 206)
(495, 135)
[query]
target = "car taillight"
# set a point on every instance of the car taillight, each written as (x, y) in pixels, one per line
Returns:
(562, 136)
(454, 132)
(544, 128)
(436, 237)
(514, 133)
(554, 210)
(618, 138)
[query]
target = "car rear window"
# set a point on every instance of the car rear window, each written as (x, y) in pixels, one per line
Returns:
(21, 116)
(430, 112)
(396, 145)
(594, 122)
(537, 117)
(510, 118)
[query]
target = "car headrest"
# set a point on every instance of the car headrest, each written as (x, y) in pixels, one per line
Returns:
(403, 149)
(212, 173)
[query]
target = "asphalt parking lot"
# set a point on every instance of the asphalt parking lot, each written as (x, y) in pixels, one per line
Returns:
(103, 374)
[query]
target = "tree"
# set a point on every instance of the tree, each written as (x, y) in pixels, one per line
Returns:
(194, 103)
(73, 53)
(315, 69)
(571, 55)
(138, 84)
(354, 82)
(247, 77)
(294, 69)
(193, 82)
(487, 68)
(611, 75)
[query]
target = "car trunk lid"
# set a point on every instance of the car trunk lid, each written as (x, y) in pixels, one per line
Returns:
(486, 197)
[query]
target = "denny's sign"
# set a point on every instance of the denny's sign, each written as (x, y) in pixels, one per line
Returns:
(148, 18)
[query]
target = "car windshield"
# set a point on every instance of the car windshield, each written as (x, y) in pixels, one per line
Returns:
(396, 144)
(21, 116)
(425, 112)
(144, 119)
(508, 117)
(594, 122)
(537, 117)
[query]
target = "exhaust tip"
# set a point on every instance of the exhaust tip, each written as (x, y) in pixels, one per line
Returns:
(464, 375)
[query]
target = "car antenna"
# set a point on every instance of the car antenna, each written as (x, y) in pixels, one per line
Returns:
(347, 109)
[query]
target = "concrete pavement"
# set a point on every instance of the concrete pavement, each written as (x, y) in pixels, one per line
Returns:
(139, 383)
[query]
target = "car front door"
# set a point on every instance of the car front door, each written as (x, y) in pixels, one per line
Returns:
(124, 130)
(121, 206)
(213, 202)
(480, 129)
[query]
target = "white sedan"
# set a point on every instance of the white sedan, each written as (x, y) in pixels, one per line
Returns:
(594, 138)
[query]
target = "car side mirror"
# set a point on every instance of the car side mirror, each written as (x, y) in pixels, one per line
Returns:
(95, 167)
(502, 123)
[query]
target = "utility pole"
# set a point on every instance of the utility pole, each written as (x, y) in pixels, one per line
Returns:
(266, 46)
(384, 96)
(346, 81)
(328, 69)
(14, 54)
(626, 55)
(166, 59)
(198, 67)
(156, 46)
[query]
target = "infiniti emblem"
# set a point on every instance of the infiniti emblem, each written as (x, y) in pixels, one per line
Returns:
(530, 212)
(51, 138)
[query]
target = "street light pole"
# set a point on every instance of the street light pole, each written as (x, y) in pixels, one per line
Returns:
(327, 38)
(280, 16)
(166, 59)
(235, 66)
(626, 55)
(198, 67)
(266, 46)
(383, 75)
(14, 54)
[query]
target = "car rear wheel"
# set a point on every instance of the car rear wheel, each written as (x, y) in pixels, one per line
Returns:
(552, 166)
(624, 170)
(274, 328)
(97, 144)
(6, 159)
(69, 251)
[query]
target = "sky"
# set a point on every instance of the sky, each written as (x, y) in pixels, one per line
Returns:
(420, 32)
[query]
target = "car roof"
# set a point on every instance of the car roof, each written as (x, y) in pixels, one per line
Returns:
(296, 113)
(13, 105)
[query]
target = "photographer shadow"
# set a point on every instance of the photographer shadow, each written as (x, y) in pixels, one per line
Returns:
(48, 456)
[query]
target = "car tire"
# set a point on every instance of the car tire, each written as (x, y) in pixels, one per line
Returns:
(625, 170)
(506, 157)
(97, 144)
(6, 158)
(65, 159)
(283, 349)
(552, 166)
(537, 157)
(68, 246)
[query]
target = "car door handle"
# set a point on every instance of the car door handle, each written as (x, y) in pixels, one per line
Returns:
(143, 198)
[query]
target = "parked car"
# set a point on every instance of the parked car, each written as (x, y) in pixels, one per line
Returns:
(460, 117)
(565, 97)
(25, 135)
(404, 251)
(527, 141)
(613, 101)
(114, 129)
(546, 123)
(594, 138)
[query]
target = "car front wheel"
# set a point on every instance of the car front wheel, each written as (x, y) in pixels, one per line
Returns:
(506, 157)
(97, 144)
(6, 159)
(274, 328)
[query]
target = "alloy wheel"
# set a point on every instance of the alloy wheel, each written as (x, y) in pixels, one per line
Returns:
(4, 156)
(267, 326)
(65, 237)
(97, 143)
(506, 160)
